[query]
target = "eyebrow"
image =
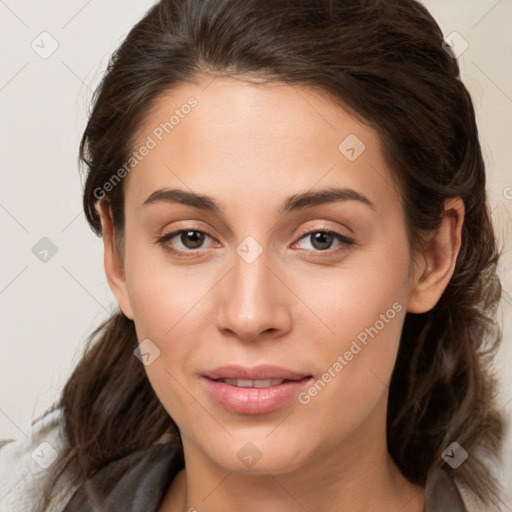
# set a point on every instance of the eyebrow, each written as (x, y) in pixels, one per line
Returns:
(292, 203)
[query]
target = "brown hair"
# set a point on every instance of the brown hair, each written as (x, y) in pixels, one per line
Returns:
(385, 59)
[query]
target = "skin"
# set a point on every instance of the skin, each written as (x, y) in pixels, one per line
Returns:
(250, 147)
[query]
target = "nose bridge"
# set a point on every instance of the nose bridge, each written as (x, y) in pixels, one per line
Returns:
(252, 303)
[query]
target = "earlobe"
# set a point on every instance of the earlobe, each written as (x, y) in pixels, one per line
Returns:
(114, 268)
(438, 259)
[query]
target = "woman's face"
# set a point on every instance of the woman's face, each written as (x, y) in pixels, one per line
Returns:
(254, 279)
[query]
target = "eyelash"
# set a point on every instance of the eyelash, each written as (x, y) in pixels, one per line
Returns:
(345, 242)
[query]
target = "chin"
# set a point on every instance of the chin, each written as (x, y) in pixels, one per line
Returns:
(258, 457)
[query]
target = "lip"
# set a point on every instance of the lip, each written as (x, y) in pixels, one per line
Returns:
(260, 372)
(254, 400)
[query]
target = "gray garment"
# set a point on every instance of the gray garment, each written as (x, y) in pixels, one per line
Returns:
(138, 483)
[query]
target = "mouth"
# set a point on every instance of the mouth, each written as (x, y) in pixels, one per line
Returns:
(261, 383)
(242, 376)
(256, 390)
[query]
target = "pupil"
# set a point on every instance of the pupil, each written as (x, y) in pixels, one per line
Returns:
(192, 239)
(322, 240)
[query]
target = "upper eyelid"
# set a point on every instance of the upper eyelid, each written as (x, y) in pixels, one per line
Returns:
(302, 232)
(323, 228)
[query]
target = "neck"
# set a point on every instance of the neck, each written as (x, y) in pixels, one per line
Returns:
(357, 476)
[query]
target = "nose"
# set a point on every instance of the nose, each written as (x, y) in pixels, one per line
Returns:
(254, 303)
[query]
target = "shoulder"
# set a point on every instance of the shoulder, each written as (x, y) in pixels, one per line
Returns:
(443, 493)
(136, 482)
(26, 464)
(140, 478)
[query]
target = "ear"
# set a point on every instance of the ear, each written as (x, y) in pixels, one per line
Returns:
(114, 268)
(437, 261)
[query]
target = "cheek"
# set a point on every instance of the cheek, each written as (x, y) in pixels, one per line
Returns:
(168, 309)
(363, 323)
(164, 296)
(360, 294)
(363, 305)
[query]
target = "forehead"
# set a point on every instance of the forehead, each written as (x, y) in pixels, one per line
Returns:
(227, 133)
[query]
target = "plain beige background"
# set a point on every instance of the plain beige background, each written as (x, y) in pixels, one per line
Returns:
(47, 309)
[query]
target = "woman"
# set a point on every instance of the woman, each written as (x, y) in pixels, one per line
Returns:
(292, 201)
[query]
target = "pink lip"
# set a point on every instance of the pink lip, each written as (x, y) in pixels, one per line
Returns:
(254, 400)
(261, 372)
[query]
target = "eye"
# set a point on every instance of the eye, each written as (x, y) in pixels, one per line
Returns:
(322, 240)
(185, 242)
(190, 240)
